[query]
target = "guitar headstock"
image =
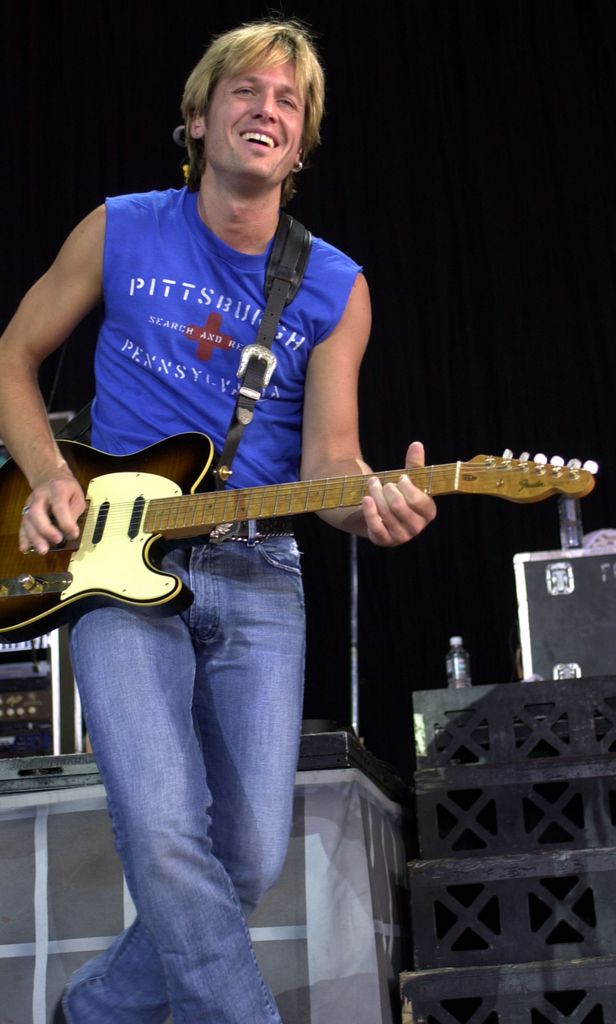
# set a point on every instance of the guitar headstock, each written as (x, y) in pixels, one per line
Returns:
(526, 479)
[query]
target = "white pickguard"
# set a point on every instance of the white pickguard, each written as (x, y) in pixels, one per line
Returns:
(115, 564)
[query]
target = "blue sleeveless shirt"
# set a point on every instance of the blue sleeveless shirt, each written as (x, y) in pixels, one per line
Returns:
(180, 305)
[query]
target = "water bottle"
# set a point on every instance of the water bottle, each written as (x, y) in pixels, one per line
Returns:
(570, 520)
(458, 665)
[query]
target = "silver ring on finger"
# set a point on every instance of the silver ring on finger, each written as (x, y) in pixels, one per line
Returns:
(25, 510)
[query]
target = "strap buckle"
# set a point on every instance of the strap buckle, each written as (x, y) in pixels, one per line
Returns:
(256, 351)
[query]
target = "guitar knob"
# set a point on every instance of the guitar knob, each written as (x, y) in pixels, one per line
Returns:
(507, 455)
(26, 581)
(524, 457)
(557, 461)
(540, 459)
(591, 466)
(574, 464)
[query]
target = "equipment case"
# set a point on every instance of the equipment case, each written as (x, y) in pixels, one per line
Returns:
(567, 612)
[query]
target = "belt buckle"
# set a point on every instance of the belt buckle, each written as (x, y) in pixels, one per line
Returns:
(221, 532)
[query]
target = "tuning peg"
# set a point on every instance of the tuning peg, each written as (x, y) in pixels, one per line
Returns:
(507, 455)
(591, 466)
(524, 457)
(541, 459)
(574, 464)
(556, 460)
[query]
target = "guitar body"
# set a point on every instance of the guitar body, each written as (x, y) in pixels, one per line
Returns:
(114, 561)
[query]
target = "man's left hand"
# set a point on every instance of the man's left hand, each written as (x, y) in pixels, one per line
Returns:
(395, 513)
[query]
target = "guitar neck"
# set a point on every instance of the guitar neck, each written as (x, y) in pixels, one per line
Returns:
(519, 481)
(194, 513)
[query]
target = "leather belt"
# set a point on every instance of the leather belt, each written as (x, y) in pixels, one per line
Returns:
(254, 530)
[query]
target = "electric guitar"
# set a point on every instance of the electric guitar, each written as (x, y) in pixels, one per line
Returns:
(134, 501)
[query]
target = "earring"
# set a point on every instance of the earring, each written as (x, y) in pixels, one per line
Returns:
(179, 136)
(297, 166)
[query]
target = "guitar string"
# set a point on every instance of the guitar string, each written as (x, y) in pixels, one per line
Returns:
(223, 506)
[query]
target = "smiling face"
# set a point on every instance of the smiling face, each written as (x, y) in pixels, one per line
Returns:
(252, 130)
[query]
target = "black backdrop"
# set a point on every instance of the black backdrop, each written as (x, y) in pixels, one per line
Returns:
(469, 163)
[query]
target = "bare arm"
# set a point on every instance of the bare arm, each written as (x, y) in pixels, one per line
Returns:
(392, 514)
(47, 314)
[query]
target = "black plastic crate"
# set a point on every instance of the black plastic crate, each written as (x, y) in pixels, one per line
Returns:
(527, 808)
(556, 992)
(510, 723)
(512, 909)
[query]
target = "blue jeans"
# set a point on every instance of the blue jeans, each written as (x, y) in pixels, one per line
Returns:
(195, 723)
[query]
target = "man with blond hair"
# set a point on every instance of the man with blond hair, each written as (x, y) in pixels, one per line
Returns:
(195, 718)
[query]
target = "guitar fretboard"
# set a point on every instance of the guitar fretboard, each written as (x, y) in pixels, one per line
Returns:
(521, 481)
(204, 510)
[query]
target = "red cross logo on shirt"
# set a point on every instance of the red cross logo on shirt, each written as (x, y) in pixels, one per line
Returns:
(209, 337)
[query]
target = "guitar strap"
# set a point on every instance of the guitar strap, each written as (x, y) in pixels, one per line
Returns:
(283, 277)
(77, 428)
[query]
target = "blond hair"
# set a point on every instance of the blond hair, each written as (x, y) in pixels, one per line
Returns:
(258, 44)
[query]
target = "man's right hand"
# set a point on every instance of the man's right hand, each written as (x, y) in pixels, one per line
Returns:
(51, 512)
